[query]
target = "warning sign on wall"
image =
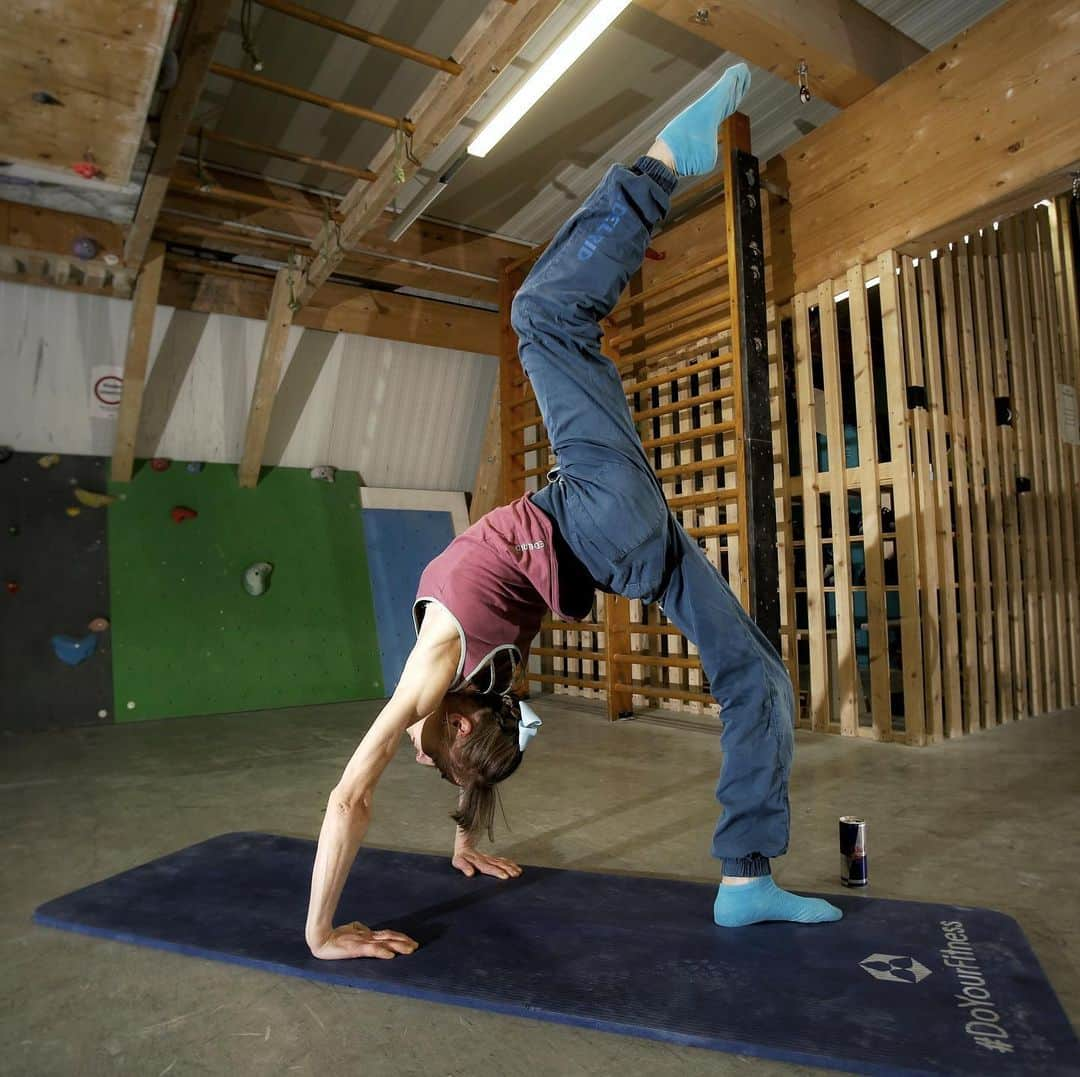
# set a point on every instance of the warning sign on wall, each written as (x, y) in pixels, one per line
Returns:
(106, 385)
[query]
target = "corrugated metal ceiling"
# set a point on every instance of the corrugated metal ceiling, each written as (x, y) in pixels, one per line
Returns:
(606, 108)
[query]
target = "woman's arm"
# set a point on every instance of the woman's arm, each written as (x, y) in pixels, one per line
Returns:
(428, 674)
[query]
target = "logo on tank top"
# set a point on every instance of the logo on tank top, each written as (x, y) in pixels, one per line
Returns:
(523, 546)
(604, 228)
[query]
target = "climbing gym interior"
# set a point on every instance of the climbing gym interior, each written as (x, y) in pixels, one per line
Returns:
(260, 370)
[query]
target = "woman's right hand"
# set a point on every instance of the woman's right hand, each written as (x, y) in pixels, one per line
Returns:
(356, 940)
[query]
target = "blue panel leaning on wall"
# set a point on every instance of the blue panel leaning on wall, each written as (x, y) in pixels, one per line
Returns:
(400, 543)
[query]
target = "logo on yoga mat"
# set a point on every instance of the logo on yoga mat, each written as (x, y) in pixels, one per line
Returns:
(904, 970)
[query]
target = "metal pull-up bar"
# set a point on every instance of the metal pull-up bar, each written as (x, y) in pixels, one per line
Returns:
(346, 29)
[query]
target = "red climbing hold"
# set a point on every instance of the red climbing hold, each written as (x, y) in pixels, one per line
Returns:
(180, 513)
(160, 463)
(655, 255)
(87, 169)
(11, 586)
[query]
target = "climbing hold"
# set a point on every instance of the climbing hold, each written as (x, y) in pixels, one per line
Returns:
(180, 513)
(12, 587)
(98, 624)
(43, 97)
(160, 463)
(49, 461)
(73, 651)
(111, 259)
(84, 247)
(87, 168)
(13, 530)
(93, 500)
(194, 466)
(6, 453)
(103, 713)
(257, 577)
(73, 510)
(324, 472)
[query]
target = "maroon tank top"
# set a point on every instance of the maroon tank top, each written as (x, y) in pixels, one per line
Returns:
(497, 580)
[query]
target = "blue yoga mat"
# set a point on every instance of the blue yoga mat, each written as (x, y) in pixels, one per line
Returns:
(895, 988)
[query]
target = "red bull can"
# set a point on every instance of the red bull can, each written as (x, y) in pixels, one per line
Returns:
(854, 866)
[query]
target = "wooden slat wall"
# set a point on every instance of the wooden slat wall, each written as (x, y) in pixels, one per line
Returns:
(957, 604)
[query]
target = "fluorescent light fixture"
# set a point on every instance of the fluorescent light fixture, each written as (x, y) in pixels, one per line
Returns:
(915, 262)
(933, 253)
(873, 282)
(967, 239)
(424, 199)
(840, 297)
(996, 223)
(544, 77)
(1043, 202)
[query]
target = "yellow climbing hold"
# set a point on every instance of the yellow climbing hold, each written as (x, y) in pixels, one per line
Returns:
(73, 510)
(93, 500)
(49, 461)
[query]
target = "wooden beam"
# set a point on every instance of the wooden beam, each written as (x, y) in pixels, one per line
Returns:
(135, 363)
(285, 155)
(357, 112)
(493, 41)
(376, 41)
(849, 50)
(278, 320)
(985, 118)
(216, 191)
(341, 308)
(205, 23)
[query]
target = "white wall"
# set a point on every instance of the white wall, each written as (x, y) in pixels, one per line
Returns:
(402, 415)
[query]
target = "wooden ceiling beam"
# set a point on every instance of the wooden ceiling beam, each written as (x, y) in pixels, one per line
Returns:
(205, 23)
(286, 155)
(493, 41)
(346, 29)
(848, 50)
(357, 112)
(199, 189)
(988, 117)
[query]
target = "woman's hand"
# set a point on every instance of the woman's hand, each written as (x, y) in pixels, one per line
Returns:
(469, 861)
(356, 940)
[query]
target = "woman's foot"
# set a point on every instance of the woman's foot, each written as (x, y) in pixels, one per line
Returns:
(758, 900)
(690, 138)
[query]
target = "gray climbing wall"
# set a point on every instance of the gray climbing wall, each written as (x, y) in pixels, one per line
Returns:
(60, 565)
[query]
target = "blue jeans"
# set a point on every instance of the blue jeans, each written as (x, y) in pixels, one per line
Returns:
(610, 507)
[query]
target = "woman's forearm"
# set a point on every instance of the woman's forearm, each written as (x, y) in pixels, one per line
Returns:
(343, 829)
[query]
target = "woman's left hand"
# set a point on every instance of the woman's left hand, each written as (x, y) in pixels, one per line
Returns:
(469, 861)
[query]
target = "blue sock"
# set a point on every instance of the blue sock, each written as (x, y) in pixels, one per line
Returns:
(754, 902)
(691, 136)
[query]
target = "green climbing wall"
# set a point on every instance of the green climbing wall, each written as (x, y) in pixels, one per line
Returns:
(187, 639)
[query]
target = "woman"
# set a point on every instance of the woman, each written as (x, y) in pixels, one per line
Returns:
(601, 522)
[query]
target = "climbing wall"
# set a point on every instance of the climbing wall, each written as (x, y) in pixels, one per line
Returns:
(187, 637)
(57, 567)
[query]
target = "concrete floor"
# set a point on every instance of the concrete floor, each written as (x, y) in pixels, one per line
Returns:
(990, 820)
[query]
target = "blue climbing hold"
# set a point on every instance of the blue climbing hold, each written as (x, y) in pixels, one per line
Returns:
(194, 466)
(73, 651)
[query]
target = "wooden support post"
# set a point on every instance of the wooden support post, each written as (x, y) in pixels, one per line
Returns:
(846, 687)
(135, 363)
(278, 320)
(870, 499)
(205, 22)
(1010, 469)
(959, 452)
(904, 504)
(616, 641)
(811, 506)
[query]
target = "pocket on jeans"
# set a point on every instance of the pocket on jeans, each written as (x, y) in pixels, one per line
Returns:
(618, 509)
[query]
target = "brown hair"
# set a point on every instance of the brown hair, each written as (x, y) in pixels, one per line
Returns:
(487, 756)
